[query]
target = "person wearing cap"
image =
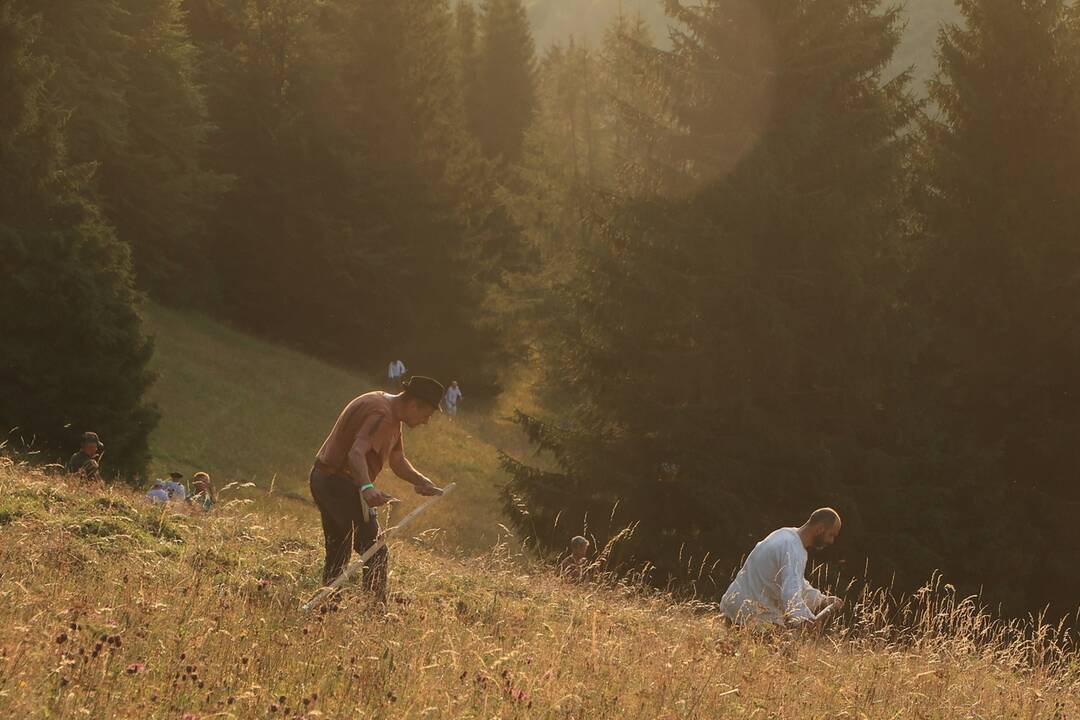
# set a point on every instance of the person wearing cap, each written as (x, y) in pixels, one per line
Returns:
(85, 461)
(176, 489)
(365, 437)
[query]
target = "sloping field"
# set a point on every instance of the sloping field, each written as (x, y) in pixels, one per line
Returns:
(113, 608)
(249, 411)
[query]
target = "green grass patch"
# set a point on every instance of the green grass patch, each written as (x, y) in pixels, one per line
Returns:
(246, 410)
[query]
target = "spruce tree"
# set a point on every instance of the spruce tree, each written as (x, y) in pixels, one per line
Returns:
(126, 70)
(724, 365)
(74, 351)
(565, 157)
(996, 288)
(466, 32)
(507, 79)
(361, 215)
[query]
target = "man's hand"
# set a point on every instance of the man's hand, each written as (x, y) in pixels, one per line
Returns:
(374, 497)
(427, 488)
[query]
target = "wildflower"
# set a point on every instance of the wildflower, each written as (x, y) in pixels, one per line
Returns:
(135, 668)
(61, 638)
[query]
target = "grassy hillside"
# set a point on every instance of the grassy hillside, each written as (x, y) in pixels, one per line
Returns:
(112, 608)
(246, 410)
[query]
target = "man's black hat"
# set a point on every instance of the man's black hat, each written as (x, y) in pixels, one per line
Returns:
(175, 475)
(92, 437)
(426, 389)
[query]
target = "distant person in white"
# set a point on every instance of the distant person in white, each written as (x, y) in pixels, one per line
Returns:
(771, 586)
(450, 400)
(396, 370)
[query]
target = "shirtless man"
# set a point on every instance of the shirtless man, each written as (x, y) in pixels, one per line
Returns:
(367, 436)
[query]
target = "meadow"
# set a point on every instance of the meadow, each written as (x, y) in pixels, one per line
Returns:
(249, 411)
(116, 608)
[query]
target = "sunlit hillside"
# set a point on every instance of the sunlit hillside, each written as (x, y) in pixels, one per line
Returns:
(113, 608)
(249, 411)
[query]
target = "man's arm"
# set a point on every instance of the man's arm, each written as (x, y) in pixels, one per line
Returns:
(792, 602)
(817, 600)
(405, 470)
(357, 459)
(814, 598)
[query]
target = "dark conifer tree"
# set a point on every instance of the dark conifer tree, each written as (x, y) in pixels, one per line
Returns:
(74, 351)
(998, 290)
(507, 79)
(722, 365)
(466, 31)
(126, 71)
(362, 209)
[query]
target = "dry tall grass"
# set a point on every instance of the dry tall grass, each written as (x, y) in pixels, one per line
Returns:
(114, 608)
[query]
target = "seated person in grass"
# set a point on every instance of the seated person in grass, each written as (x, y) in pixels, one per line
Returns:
(85, 462)
(204, 494)
(158, 493)
(176, 489)
(575, 566)
(771, 586)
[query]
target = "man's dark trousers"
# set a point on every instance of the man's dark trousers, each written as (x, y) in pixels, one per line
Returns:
(345, 528)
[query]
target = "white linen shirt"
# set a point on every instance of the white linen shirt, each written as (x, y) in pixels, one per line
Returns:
(771, 586)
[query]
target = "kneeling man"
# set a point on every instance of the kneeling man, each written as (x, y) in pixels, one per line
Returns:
(771, 586)
(366, 436)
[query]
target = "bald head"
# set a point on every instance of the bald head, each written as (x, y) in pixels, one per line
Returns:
(821, 528)
(825, 517)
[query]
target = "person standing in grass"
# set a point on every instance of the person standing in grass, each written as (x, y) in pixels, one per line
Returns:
(450, 400)
(396, 370)
(771, 586)
(365, 437)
